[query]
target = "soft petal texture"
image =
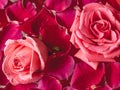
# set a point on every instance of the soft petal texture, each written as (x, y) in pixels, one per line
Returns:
(3, 19)
(49, 83)
(69, 88)
(20, 87)
(113, 74)
(84, 76)
(114, 3)
(54, 67)
(58, 5)
(65, 18)
(27, 61)
(24, 12)
(3, 3)
(10, 31)
(96, 33)
(105, 87)
(45, 26)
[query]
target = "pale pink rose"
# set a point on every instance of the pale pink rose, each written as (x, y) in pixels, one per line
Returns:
(96, 32)
(24, 60)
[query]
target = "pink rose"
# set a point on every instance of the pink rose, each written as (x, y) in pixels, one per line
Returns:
(24, 60)
(96, 32)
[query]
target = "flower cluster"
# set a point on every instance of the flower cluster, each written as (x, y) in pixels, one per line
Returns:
(59, 44)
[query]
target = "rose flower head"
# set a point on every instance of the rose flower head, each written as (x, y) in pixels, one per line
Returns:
(24, 60)
(96, 33)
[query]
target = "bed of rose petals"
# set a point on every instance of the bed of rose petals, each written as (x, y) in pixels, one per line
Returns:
(59, 44)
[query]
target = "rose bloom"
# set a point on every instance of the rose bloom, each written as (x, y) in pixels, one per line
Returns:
(96, 32)
(24, 60)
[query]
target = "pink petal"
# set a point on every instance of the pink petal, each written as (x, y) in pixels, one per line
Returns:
(3, 3)
(84, 76)
(54, 67)
(69, 88)
(49, 83)
(20, 87)
(9, 32)
(58, 5)
(113, 74)
(23, 13)
(65, 18)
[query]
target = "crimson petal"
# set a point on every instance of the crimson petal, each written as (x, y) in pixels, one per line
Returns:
(106, 87)
(53, 67)
(20, 87)
(9, 32)
(3, 3)
(49, 83)
(23, 13)
(58, 5)
(113, 74)
(65, 18)
(84, 76)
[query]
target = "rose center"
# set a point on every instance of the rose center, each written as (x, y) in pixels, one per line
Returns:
(17, 64)
(101, 29)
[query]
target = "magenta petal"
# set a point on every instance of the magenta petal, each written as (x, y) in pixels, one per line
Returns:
(3, 79)
(20, 87)
(113, 74)
(17, 12)
(9, 32)
(69, 88)
(3, 3)
(58, 5)
(3, 19)
(65, 18)
(49, 83)
(106, 87)
(61, 67)
(84, 76)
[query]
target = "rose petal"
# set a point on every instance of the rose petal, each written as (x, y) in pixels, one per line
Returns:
(24, 12)
(49, 83)
(84, 76)
(20, 87)
(3, 3)
(54, 67)
(3, 19)
(65, 18)
(106, 87)
(69, 88)
(58, 5)
(9, 32)
(113, 74)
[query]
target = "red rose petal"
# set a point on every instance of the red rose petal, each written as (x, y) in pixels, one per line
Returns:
(65, 18)
(113, 74)
(84, 76)
(3, 3)
(23, 13)
(20, 87)
(54, 67)
(9, 32)
(49, 83)
(58, 5)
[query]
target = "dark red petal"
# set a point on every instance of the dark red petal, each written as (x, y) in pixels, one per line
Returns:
(106, 87)
(17, 12)
(3, 79)
(65, 18)
(114, 3)
(69, 88)
(3, 3)
(9, 32)
(58, 5)
(49, 83)
(60, 67)
(3, 19)
(20, 87)
(113, 74)
(84, 76)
